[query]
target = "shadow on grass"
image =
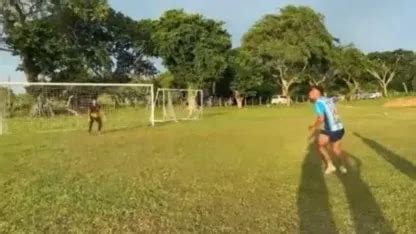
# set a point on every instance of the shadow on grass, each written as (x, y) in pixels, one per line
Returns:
(114, 130)
(366, 213)
(313, 205)
(401, 164)
(213, 114)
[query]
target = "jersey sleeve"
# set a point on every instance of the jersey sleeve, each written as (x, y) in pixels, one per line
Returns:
(319, 108)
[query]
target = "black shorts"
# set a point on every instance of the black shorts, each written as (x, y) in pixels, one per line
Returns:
(334, 136)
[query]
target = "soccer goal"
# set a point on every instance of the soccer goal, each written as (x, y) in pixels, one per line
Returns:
(178, 104)
(48, 107)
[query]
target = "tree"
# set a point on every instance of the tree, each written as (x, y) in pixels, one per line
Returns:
(130, 47)
(406, 70)
(102, 43)
(75, 40)
(22, 28)
(164, 80)
(384, 67)
(247, 74)
(350, 66)
(192, 47)
(32, 30)
(322, 72)
(288, 43)
(404, 64)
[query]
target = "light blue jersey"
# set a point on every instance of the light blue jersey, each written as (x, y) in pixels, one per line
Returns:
(326, 107)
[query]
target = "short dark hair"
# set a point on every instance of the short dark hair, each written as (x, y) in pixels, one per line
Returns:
(317, 87)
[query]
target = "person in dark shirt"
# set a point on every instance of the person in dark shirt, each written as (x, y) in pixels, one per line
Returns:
(95, 115)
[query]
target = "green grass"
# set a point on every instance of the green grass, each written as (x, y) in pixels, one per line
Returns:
(246, 171)
(115, 120)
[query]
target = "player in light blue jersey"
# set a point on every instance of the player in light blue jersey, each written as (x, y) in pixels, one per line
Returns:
(333, 130)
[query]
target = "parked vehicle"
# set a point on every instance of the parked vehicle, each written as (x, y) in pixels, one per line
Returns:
(339, 98)
(280, 100)
(374, 95)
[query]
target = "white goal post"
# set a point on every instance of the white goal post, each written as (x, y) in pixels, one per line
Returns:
(178, 104)
(61, 106)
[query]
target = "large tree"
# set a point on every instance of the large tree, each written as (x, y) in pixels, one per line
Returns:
(246, 72)
(109, 47)
(288, 43)
(73, 40)
(393, 69)
(192, 47)
(385, 67)
(32, 29)
(26, 32)
(349, 65)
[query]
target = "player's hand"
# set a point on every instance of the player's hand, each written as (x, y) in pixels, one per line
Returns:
(311, 128)
(312, 132)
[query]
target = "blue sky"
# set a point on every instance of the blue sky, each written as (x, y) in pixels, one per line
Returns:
(369, 24)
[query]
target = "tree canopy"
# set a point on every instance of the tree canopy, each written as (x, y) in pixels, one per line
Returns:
(289, 43)
(75, 41)
(246, 72)
(192, 47)
(282, 53)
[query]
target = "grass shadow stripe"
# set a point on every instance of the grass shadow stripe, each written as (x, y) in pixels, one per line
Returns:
(404, 166)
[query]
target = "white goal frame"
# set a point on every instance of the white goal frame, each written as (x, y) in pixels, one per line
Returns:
(175, 119)
(49, 84)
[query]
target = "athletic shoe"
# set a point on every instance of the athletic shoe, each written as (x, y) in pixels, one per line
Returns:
(343, 169)
(330, 169)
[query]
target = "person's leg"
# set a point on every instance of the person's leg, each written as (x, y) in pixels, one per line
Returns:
(90, 125)
(323, 141)
(337, 148)
(100, 124)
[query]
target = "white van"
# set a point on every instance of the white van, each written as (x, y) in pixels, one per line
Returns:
(279, 100)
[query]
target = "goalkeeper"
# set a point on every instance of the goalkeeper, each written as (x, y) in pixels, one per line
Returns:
(95, 115)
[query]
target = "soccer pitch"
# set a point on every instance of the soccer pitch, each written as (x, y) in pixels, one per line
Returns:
(248, 171)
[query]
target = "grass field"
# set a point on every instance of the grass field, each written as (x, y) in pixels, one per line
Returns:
(248, 171)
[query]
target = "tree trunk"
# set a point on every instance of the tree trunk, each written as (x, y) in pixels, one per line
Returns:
(385, 90)
(30, 73)
(239, 99)
(192, 104)
(170, 109)
(384, 78)
(353, 87)
(285, 92)
(352, 90)
(406, 90)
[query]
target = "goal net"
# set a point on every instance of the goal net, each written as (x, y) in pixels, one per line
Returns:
(48, 107)
(178, 104)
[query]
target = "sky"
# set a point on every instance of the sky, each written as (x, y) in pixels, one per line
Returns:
(368, 24)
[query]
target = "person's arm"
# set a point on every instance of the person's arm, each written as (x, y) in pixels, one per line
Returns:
(320, 111)
(317, 124)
